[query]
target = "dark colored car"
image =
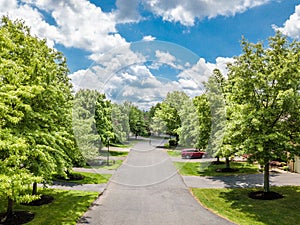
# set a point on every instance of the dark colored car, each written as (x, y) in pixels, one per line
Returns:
(192, 153)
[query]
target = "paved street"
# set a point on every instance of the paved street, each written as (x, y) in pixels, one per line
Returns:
(146, 189)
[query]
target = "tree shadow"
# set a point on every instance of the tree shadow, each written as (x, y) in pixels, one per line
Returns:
(279, 211)
(242, 180)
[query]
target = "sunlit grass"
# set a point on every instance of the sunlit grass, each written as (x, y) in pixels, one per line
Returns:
(235, 205)
(66, 209)
(174, 153)
(89, 178)
(208, 169)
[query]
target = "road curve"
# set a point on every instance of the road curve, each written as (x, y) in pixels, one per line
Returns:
(147, 190)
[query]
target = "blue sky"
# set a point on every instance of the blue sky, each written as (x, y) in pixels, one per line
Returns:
(138, 50)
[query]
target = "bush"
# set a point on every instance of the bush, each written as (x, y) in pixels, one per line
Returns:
(173, 143)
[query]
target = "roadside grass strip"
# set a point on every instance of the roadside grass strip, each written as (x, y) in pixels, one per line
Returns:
(174, 153)
(66, 209)
(235, 205)
(113, 165)
(89, 178)
(207, 169)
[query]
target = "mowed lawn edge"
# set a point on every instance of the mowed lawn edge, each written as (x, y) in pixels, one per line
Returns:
(235, 205)
(66, 209)
(208, 169)
(89, 178)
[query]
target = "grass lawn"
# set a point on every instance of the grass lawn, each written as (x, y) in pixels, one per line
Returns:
(90, 178)
(113, 153)
(206, 169)
(235, 205)
(112, 165)
(66, 209)
(174, 153)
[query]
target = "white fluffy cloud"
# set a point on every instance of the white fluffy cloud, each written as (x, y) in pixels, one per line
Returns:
(76, 23)
(185, 12)
(292, 25)
(125, 76)
(148, 38)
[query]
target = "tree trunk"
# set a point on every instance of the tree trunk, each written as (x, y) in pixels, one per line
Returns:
(227, 161)
(218, 159)
(10, 205)
(266, 177)
(34, 188)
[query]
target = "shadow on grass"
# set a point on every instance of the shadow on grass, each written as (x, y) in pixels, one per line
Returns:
(280, 211)
(67, 207)
(242, 180)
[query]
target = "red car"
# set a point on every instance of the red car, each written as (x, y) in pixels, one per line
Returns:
(191, 153)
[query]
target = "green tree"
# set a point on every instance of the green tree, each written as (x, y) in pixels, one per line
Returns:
(189, 130)
(215, 96)
(120, 120)
(137, 121)
(263, 98)
(168, 114)
(204, 116)
(84, 124)
(35, 109)
(103, 117)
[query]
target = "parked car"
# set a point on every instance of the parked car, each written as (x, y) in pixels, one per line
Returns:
(192, 153)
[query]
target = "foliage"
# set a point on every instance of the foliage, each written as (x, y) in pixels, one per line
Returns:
(263, 101)
(120, 120)
(166, 118)
(137, 121)
(216, 101)
(67, 207)
(84, 124)
(189, 130)
(103, 119)
(204, 117)
(35, 110)
(235, 205)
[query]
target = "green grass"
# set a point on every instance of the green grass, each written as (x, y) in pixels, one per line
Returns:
(113, 153)
(66, 209)
(235, 205)
(90, 178)
(174, 153)
(206, 169)
(112, 165)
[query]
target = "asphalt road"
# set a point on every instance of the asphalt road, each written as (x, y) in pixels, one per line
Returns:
(147, 190)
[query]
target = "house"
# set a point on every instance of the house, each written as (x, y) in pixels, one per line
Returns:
(294, 165)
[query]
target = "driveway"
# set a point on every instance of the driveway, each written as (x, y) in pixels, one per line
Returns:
(147, 189)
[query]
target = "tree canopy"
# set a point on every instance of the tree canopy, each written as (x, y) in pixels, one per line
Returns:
(35, 111)
(263, 101)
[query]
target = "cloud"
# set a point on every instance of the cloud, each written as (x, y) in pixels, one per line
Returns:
(185, 12)
(127, 11)
(292, 25)
(125, 75)
(76, 23)
(148, 38)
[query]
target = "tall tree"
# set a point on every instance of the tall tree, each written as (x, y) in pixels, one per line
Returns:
(35, 109)
(204, 117)
(137, 121)
(84, 124)
(168, 113)
(264, 100)
(215, 97)
(120, 120)
(103, 117)
(189, 130)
